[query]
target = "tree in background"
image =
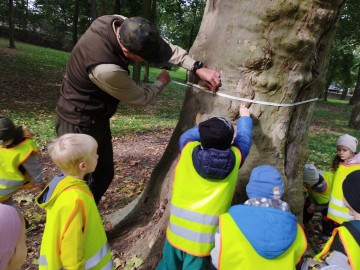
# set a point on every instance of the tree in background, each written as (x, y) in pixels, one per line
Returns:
(180, 20)
(343, 61)
(265, 50)
(11, 25)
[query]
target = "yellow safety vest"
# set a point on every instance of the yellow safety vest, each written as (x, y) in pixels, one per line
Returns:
(323, 197)
(337, 211)
(11, 178)
(97, 253)
(196, 204)
(350, 245)
(237, 253)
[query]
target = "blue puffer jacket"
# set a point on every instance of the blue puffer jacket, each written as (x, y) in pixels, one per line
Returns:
(214, 163)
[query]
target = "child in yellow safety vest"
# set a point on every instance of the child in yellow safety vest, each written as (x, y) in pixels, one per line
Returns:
(262, 233)
(342, 251)
(13, 248)
(346, 161)
(318, 186)
(19, 164)
(204, 182)
(74, 236)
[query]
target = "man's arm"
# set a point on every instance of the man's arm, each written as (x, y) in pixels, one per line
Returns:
(181, 58)
(115, 81)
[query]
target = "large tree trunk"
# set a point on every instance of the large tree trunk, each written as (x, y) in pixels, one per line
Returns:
(273, 51)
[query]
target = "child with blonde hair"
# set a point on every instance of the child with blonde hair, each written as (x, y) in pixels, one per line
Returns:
(74, 236)
(19, 165)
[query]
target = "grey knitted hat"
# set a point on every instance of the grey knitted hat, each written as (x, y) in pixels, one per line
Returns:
(311, 174)
(348, 141)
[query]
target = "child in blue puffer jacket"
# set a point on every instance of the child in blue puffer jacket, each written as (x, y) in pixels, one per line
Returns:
(204, 182)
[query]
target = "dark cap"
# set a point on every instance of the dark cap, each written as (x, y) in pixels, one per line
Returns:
(142, 38)
(351, 187)
(7, 128)
(217, 132)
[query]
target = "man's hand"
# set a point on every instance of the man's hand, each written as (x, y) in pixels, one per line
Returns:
(244, 111)
(163, 77)
(210, 77)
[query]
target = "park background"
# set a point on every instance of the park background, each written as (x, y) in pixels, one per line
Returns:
(31, 76)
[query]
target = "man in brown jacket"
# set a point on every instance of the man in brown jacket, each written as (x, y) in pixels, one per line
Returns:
(97, 78)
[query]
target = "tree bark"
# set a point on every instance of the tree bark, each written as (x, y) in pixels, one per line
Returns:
(11, 25)
(354, 121)
(274, 51)
(356, 96)
(93, 10)
(75, 23)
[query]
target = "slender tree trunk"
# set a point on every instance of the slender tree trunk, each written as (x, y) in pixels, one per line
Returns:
(75, 23)
(329, 79)
(344, 94)
(147, 14)
(356, 96)
(354, 121)
(117, 7)
(93, 10)
(11, 25)
(272, 51)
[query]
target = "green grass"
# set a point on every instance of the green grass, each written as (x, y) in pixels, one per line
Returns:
(31, 76)
(329, 121)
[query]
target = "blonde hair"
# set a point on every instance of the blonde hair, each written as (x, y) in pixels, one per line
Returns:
(69, 150)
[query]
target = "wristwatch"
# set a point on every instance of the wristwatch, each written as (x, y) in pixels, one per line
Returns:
(196, 66)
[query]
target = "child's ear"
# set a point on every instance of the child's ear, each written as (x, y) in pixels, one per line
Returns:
(82, 166)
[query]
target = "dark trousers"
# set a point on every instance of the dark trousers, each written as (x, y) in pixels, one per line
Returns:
(101, 178)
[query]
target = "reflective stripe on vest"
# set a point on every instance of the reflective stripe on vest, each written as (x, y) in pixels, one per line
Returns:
(194, 216)
(337, 210)
(90, 263)
(43, 261)
(350, 245)
(236, 252)
(191, 235)
(11, 178)
(195, 211)
(94, 260)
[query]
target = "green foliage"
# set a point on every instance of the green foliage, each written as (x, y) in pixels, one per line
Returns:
(328, 123)
(344, 59)
(179, 21)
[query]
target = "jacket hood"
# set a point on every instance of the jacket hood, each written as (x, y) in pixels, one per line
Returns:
(213, 163)
(60, 182)
(270, 231)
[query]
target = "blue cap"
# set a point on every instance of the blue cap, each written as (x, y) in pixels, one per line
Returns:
(265, 182)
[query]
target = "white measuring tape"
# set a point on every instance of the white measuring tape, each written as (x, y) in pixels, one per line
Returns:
(245, 99)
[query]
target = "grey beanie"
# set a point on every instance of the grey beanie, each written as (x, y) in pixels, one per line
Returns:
(348, 141)
(311, 174)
